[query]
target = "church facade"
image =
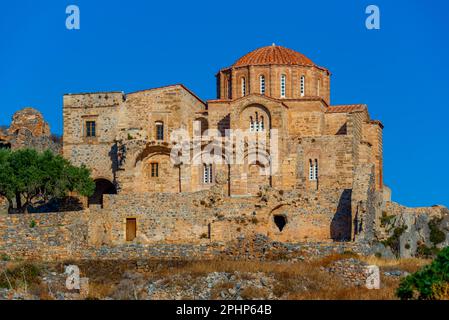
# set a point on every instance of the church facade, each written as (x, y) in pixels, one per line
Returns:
(277, 97)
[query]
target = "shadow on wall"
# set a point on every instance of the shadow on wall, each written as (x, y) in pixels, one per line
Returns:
(341, 225)
(67, 204)
(102, 187)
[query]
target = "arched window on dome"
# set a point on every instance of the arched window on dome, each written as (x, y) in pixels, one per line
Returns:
(303, 86)
(243, 86)
(262, 84)
(283, 84)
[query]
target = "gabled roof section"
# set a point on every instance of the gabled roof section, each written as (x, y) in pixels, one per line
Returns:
(347, 108)
(169, 86)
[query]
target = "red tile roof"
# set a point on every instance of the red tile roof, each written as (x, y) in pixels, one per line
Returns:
(347, 108)
(273, 55)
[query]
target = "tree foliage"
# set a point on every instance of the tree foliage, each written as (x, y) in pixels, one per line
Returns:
(427, 283)
(27, 175)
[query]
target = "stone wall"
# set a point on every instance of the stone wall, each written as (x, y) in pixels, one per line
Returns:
(181, 225)
(28, 129)
(43, 236)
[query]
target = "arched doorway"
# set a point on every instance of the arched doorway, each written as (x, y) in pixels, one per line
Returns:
(102, 187)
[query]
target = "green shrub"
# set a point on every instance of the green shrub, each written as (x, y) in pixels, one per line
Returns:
(423, 251)
(385, 219)
(421, 285)
(393, 241)
(436, 235)
(32, 224)
(5, 257)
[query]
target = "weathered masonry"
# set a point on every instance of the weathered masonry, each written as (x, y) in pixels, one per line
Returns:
(125, 138)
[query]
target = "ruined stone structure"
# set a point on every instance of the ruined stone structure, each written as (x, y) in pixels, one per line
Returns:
(28, 129)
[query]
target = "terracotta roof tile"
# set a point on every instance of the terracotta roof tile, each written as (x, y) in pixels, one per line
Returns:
(273, 55)
(347, 108)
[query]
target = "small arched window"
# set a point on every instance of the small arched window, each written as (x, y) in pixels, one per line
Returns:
(313, 170)
(159, 131)
(207, 174)
(243, 87)
(262, 84)
(283, 84)
(257, 123)
(303, 86)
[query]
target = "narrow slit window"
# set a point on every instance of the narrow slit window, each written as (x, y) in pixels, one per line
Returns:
(207, 174)
(243, 87)
(313, 170)
(303, 86)
(283, 84)
(262, 85)
(155, 170)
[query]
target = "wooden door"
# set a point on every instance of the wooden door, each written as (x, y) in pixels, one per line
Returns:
(131, 229)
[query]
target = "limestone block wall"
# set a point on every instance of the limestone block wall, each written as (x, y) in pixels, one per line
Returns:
(43, 236)
(98, 153)
(334, 155)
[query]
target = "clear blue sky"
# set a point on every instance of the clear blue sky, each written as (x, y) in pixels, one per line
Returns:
(400, 71)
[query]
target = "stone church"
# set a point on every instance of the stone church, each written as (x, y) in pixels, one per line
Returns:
(126, 138)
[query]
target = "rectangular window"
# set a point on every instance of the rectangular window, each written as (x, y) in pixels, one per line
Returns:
(159, 131)
(131, 229)
(91, 130)
(155, 170)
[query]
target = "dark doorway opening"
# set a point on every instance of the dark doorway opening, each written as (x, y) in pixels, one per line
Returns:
(281, 222)
(102, 187)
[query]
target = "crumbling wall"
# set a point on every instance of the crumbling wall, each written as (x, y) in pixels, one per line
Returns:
(28, 129)
(366, 203)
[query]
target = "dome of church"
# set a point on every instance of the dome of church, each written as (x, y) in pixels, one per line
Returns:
(274, 54)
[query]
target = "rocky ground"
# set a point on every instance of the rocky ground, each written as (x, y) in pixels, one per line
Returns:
(332, 277)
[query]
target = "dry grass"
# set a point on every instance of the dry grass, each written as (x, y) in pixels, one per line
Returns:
(291, 281)
(410, 265)
(215, 293)
(254, 293)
